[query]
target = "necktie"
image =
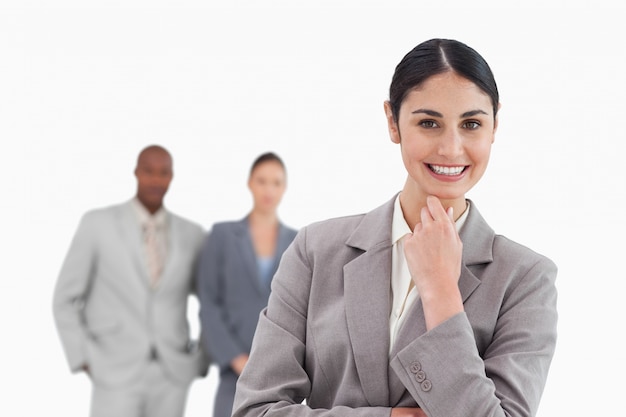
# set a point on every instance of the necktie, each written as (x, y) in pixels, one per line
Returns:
(153, 253)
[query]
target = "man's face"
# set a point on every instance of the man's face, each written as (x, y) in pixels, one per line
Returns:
(154, 174)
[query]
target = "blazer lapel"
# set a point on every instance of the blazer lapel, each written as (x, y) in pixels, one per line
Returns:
(246, 251)
(368, 302)
(477, 237)
(283, 242)
(172, 248)
(131, 236)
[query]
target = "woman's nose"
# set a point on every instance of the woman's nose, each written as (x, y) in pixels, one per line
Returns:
(451, 144)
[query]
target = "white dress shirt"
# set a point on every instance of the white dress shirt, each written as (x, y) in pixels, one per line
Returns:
(402, 292)
(148, 220)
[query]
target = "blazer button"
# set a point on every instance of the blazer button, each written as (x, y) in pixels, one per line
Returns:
(420, 376)
(416, 367)
(426, 385)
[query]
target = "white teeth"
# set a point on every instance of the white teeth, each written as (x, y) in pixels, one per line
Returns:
(446, 170)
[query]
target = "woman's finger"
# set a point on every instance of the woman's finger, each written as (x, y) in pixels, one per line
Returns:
(426, 216)
(436, 208)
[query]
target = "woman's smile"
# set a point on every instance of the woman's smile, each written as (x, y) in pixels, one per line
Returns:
(449, 172)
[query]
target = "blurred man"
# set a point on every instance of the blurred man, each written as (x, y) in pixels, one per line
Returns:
(120, 302)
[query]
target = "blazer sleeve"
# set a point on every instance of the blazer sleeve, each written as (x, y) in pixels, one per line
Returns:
(216, 337)
(508, 378)
(70, 291)
(275, 381)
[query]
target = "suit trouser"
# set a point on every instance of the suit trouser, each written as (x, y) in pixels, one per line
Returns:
(152, 395)
(225, 393)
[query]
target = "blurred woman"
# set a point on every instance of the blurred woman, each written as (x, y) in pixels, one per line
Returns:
(238, 261)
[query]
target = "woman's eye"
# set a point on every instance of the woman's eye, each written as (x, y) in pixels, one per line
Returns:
(471, 125)
(429, 124)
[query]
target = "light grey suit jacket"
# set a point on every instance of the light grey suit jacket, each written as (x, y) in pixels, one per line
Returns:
(324, 336)
(230, 291)
(107, 315)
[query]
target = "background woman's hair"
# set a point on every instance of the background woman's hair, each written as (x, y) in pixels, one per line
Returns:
(267, 157)
(437, 56)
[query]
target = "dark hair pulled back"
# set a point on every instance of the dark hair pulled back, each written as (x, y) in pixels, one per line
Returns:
(437, 56)
(267, 157)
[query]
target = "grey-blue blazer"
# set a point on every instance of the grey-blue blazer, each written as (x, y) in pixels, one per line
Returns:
(230, 292)
(324, 337)
(107, 315)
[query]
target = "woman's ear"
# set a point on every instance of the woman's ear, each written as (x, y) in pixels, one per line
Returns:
(495, 123)
(394, 133)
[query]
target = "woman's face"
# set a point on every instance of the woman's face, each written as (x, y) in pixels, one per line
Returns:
(267, 183)
(445, 130)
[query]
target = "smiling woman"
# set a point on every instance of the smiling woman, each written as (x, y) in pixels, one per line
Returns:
(445, 128)
(398, 311)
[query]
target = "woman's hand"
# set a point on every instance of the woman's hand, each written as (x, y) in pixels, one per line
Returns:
(433, 253)
(407, 412)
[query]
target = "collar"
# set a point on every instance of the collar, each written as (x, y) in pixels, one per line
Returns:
(145, 217)
(400, 228)
(374, 230)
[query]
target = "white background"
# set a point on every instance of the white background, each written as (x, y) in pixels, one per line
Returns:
(84, 85)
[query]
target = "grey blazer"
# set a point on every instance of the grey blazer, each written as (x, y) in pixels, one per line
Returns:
(107, 315)
(230, 292)
(324, 337)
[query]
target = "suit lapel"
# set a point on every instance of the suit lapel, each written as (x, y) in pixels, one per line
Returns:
(368, 303)
(281, 245)
(243, 241)
(172, 248)
(477, 237)
(284, 240)
(131, 237)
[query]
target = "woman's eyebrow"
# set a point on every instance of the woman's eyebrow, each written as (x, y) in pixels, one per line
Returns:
(473, 113)
(434, 113)
(428, 112)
